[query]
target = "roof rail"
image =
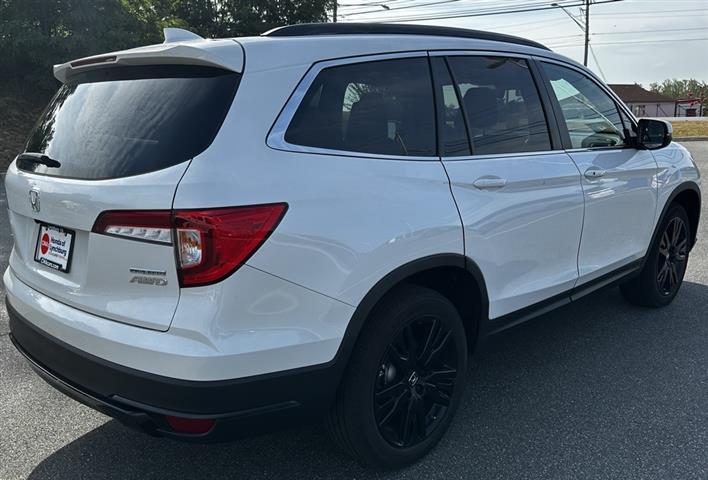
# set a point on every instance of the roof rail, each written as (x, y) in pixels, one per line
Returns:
(306, 29)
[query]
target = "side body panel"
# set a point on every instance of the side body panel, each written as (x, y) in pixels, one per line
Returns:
(524, 236)
(620, 208)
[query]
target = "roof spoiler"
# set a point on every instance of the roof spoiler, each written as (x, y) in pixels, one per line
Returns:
(181, 47)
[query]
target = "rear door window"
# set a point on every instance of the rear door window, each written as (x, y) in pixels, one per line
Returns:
(501, 103)
(384, 107)
(125, 121)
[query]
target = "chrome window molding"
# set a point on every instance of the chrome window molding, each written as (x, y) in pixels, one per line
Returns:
(492, 156)
(276, 136)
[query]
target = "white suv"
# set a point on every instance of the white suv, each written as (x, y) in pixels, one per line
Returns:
(214, 237)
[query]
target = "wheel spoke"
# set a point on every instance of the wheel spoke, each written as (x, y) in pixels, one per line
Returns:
(411, 344)
(430, 340)
(442, 376)
(440, 344)
(408, 422)
(673, 277)
(393, 390)
(399, 359)
(437, 395)
(663, 272)
(421, 419)
(394, 408)
(664, 245)
(676, 230)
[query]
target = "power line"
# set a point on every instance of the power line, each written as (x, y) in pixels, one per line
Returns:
(524, 3)
(477, 13)
(632, 42)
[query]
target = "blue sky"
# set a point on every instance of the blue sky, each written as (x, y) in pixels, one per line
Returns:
(640, 41)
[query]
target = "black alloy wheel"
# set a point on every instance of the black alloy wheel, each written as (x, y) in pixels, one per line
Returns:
(415, 382)
(404, 381)
(673, 253)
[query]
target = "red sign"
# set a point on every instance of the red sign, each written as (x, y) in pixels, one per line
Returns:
(45, 243)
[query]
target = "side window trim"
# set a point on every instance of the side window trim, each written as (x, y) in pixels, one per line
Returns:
(549, 111)
(440, 105)
(565, 136)
(276, 136)
(538, 80)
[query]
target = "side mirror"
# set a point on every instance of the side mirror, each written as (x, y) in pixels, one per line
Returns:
(654, 134)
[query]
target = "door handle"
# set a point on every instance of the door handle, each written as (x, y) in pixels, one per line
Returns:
(489, 183)
(595, 172)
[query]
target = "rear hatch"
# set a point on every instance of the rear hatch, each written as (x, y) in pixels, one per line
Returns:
(112, 139)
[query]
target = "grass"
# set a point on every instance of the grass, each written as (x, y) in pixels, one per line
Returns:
(698, 128)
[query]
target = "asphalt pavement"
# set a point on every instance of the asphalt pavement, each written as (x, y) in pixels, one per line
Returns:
(598, 389)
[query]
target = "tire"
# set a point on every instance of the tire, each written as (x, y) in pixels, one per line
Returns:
(666, 262)
(384, 385)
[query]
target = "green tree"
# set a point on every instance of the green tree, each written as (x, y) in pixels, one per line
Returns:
(35, 34)
(682, 89)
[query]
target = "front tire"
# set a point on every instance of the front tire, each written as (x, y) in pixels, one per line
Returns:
(404, 381)
(665, 266)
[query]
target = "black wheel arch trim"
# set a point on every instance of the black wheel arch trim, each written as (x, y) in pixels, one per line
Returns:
(396, 277)
(681, 188)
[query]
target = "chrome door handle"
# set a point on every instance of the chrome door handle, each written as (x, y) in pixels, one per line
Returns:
(489, 183)
(595, 172)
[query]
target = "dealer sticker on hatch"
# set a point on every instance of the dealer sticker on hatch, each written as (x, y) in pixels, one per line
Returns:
(54, 246)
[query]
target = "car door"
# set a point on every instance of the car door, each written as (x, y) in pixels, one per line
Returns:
(619, 181)
(518, 192)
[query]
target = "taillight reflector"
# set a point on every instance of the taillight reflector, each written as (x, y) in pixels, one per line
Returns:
(193, 426)
(210, 244)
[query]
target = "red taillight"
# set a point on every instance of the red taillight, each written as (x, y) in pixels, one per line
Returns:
(191, 426)
(211, 244)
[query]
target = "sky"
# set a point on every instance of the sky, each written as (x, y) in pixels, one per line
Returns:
(634, 41)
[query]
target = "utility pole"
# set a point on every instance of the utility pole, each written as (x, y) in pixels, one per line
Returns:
(334, 12)
(585, 28)
(587, 31)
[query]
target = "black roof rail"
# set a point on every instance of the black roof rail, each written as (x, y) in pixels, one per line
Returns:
(306, 29)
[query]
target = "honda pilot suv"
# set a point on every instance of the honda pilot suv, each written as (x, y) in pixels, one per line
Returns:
(217, 237)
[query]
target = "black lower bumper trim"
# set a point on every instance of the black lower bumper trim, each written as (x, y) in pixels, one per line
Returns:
(142, 400)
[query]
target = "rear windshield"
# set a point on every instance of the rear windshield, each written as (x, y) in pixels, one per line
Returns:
(125, 121)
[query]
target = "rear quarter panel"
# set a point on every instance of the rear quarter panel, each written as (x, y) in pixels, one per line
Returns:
(350, 220)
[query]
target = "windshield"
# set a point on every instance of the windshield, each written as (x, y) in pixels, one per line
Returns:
(125, 121)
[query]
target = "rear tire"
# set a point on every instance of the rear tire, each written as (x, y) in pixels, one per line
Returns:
(666, 262)
(404, 381)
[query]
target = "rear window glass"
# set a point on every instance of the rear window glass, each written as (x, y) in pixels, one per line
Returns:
(383, 107)
(125, 121)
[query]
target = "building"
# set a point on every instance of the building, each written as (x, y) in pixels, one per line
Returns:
(643, 102)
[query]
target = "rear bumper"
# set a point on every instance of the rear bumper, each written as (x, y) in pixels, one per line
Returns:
(142, 400)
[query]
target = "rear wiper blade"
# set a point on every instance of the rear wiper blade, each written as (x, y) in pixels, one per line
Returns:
(38, 158)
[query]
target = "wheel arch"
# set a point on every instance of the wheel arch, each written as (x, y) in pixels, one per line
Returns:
(452, 275)
(688, 195)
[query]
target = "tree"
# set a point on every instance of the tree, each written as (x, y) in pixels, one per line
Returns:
(682, 89)
(35, 34)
